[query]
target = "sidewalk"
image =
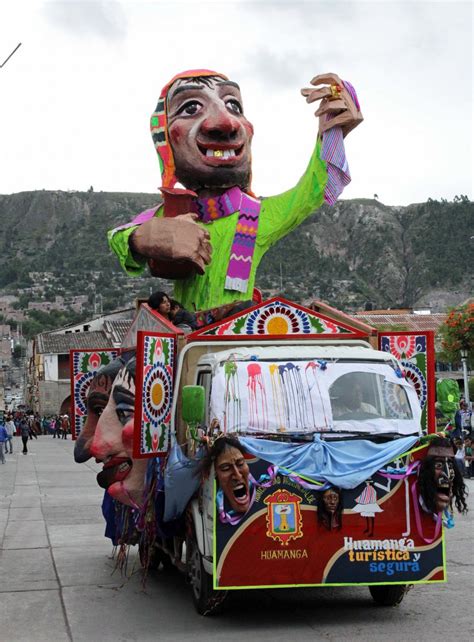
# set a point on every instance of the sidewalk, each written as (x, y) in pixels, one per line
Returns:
(57, 579)
(53, 548)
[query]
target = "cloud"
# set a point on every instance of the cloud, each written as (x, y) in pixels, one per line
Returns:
(104, 19)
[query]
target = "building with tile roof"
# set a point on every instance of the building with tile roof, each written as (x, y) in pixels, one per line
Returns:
(48, 388)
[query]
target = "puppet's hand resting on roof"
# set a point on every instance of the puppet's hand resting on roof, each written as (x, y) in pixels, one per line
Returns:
(335, 102)
(173, 239)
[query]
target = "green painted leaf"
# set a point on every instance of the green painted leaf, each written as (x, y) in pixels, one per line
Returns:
(148, 437)
(151, 351)
(161, 442)
(166, 351)
(316, 324)
(238, 325)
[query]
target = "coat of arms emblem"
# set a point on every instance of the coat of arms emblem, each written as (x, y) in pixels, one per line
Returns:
(284, 520)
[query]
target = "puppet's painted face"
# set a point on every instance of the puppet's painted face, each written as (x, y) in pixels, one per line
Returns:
(209, 135)
(233, 476)
(122, 476)
(99, 393)
(331, 501)
(443, 468)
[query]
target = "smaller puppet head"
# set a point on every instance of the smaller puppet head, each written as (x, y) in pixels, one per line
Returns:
(330, 508)
(439, 480)
(97, 399)
(232, 471)
(122, 475)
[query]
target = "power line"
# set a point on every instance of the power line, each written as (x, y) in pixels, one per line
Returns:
(7, 59)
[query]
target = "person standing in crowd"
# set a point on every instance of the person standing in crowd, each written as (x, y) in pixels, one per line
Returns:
(462, 420)
(32, 425)
(65, 426)
(57, 428)
(11, 429)
(3, 440)
(460, 456)
(25, 433)
(45, 425)
(468, 455)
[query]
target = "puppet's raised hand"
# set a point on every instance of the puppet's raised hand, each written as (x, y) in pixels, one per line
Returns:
(175, 239)
(337, 107)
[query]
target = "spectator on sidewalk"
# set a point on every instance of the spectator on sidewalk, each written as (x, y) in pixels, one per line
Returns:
(460, 456)
(11, 430)
(25, 433)
(65, 426)
(57, 428)
(45, 425)
(3, 440)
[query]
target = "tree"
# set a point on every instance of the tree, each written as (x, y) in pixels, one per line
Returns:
(457, 333)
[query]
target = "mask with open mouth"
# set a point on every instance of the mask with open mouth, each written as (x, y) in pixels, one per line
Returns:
(232, 473)
(439, 480)
(122, 476)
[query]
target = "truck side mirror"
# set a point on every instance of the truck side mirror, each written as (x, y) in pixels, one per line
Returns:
(193, 404)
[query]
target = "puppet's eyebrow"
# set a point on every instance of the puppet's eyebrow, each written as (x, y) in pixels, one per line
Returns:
(187, 87)
(122, 395)
(230, 83)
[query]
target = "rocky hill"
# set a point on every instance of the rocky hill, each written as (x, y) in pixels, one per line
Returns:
(355, 253)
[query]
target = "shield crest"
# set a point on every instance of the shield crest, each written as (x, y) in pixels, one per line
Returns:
(284, 521)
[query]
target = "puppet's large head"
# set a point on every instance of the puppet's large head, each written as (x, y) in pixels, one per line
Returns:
(201, 134)
(122, 475)
(439, 479)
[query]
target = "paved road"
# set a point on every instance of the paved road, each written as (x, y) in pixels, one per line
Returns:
(57, 581)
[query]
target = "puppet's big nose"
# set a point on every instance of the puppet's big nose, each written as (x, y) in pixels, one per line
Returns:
(219, 124)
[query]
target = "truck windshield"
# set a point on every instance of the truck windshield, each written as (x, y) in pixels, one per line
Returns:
(305, 396)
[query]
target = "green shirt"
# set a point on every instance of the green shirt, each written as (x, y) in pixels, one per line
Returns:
(279, 215)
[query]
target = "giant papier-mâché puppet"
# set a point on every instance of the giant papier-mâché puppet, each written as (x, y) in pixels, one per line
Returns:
(203, 141)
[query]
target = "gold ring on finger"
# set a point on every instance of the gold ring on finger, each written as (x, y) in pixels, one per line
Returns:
(335, 92)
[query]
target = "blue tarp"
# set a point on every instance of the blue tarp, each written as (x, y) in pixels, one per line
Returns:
(342, 463)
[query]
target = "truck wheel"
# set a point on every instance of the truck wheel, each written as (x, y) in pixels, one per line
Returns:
(206, 600)
(388, 594)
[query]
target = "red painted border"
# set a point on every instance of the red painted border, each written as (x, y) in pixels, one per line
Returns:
(199, 335)
(430, 370)
(71, 382)
(141, 334)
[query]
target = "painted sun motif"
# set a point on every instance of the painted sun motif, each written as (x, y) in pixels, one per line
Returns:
(278, 319)
(157, 394)
(416, 378)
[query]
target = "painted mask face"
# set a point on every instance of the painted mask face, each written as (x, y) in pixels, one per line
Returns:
(122, 476)
(443, 479)
(233, 476)
(99, 393)
(331, 501)
(209, 135)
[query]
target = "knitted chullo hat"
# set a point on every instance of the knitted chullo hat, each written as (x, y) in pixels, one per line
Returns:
(159, 126)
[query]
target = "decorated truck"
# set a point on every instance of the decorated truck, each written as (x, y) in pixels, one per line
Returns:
(281, 447)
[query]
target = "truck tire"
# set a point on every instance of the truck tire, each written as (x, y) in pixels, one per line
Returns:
(388, 594)
(206, 600)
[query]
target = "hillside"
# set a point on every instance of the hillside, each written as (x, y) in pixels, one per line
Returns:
(355, 253)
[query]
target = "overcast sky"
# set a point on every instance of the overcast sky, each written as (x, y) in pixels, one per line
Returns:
(77, 95)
